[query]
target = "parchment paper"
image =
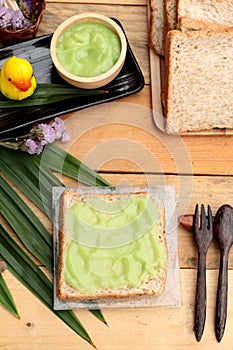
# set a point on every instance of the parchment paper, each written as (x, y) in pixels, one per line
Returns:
(172, 293)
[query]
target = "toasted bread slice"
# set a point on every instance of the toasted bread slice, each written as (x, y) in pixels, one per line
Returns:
(129, 259)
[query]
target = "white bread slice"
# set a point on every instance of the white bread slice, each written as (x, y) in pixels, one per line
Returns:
(197, 15)
(152, 285)
(186, 24)
(199, 81)
(219, 11)
(156, 26)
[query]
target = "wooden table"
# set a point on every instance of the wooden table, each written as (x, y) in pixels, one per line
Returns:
(120, 141)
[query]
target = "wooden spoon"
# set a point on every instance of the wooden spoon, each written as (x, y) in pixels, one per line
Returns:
(223, 233)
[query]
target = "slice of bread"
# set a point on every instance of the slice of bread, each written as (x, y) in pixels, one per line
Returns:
(170, 7)
(153, 283)
(199, 80)
(170, 17)
(170, 12)
(218, 11)
(162, 19)
(156, 26)
(186, 24)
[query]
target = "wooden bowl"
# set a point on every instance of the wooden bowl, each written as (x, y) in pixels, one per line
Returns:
(99, 80)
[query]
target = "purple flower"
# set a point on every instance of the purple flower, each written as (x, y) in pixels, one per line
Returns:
(39, 147)
(39, 136)
(59, 127)
(65, 136)
(31, 146)
(11, 19)
(48, 133)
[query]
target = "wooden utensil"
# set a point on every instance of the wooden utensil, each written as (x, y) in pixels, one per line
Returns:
(203, 236)
(223, 233)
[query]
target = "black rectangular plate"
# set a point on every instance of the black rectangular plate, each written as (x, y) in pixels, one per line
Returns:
(15, 121)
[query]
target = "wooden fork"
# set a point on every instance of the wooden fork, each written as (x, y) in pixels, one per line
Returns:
(203, 235)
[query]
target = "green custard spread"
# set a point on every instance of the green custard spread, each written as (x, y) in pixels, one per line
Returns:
(88, 49)
(105, 262)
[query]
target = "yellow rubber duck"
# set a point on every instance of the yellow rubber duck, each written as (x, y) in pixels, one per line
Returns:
(17, 80)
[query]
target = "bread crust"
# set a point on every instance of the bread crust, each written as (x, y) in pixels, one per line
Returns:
(152, 286)
(187, 24)
(170, 18)
(156, 26)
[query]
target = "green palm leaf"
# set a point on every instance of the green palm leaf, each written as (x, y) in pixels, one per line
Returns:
(60, 161)
(26, 225)
(36, 181)
(25, 172)
(29, 229)
(48, 93)
(32, 277)
(6, 299)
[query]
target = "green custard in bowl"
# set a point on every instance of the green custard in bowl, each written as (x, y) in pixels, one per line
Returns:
(88, 49)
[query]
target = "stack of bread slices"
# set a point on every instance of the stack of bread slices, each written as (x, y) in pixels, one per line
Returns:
(196, 39)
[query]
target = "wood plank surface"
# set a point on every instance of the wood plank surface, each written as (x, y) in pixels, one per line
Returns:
(127, 124)
(120, 140)
(133, 328)
(127, 329)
